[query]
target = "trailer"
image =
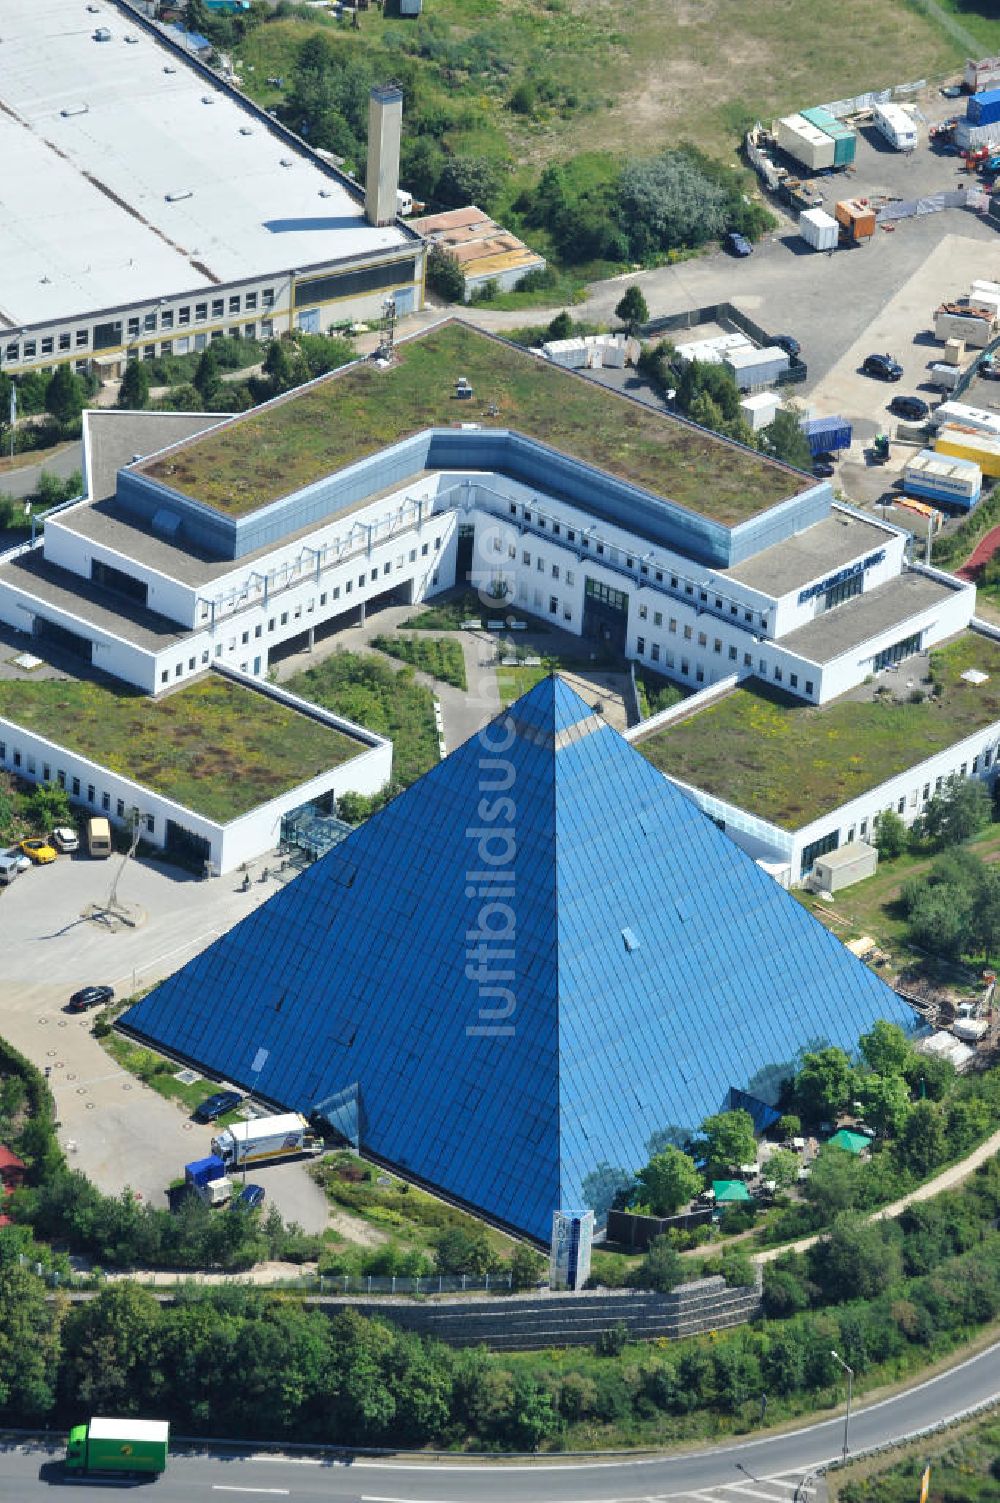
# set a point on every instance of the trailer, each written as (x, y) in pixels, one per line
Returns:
(964, 443)
(843, 137)
(754, 369)
(945, 478)
(805, 142)
(975, 419)
(984, 74)
(118, 1445)
(819, 230)
(895, 126)
(856, 219)
(827, 434)
(984, 108)
(975, 325)
(283, 1137)
(207, 1179)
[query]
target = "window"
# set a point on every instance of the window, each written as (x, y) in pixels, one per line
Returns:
(702, 639)
(540, 565)
(850, 835)
(794, 680)
(699, 675)
(819, 848)
(987, 758)
(191, 664)
(672, 624)
(657, 618)
(270, 624)
(863, 828)
(642, 613)
(640, 645)
(258, 629)
(689, 589)
(718, 602)
(553, 606)
(76, 787)
(218, 307)
(149, 352)
(184, 316)
(687, 633)
(120, 808)
(703, 595)
(555, 528)
(91, 793)
(233, 331)
(732, 608)
(600, 548)
(685, 667)
(927, 791)
(763, 666)
(570, 535)
(218, 650)
(149, 322)
(570, 577)
(245, 638)
(267, 298)
(717, 645)
(655, 652)
(106, 802)
(133, 328)
(60, 777)
(964, 768)
(204, 655)
(809, 685)
(423, 550)
(29, 349)
(150, 824)
(167, 347)
(901, 806)
(251, 301)
(10, 353)
(348, 586)
(668, 658)
(178, 670)
(48, 345)
(165, 676)
(513, 508)
(200, 312)
(336, 592)
(167, 318)
(777, 674)
(975, 764)
(249, 331)
(747, 660)
(555, 571)
(64, 340)
(732, 654)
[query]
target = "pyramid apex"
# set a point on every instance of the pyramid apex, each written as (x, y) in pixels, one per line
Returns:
(549, 708)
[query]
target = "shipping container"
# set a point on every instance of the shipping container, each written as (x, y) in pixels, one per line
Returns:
(843, 138)
(968, 135)
(856, 218)
(975, 327)
(201, 1171)
(753, 369)
(712, 351)
(978, 419)
(984, 109)
(805, 143)
(827, 434)
(760, 409)
(984, 74)
(955, 482)
(944, 376)
(982, 448)
(895, 125)
(819, 229)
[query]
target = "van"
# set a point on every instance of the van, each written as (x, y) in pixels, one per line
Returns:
(10, 867)
(65, 840)
(98, 837)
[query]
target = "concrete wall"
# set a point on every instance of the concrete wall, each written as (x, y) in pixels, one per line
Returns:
(530, 1322)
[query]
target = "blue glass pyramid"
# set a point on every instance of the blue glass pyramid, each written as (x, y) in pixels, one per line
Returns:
(522, 968)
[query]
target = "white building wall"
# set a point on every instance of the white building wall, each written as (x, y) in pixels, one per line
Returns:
(791, 613)
(168, 597)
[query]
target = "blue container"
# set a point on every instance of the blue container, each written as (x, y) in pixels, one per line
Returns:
(826, 434)
(983, 109)
(203, 1171)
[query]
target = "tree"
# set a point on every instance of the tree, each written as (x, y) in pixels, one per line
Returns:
(560, 327)
(729, 1140)
(65, 395)
(922, 1145)
(668, 1181)
(836, 1180)
(891, 838)
(444, 275)
(885, 1101)
(660, 1269)
(788, 1126)
(50, 490)
(823, 1084)
(133, 393)
(196, 17)
(958, 812)
(48, 805)
(782, 1167)
(858, 1260)
(459, 1251)
(669, 201)
(885, 1049)
(526, 1267)
(206, 379)
(783, 439)
(632, 309)
(469, 180)
(29, 1345)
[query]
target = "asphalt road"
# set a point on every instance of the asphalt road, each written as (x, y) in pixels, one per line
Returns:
(742, 1470)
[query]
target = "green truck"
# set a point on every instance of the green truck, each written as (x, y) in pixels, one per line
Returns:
(118, 1445)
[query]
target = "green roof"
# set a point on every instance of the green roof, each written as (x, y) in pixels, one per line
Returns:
(361, 409)
(853, 1142)
(730, 1191)
(789, 763)
(216, 747)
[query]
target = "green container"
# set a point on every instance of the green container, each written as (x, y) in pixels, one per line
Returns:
(844, 139)
(107, 1445)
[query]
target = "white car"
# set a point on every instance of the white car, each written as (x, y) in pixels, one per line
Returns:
(19, 859)
(65, 839)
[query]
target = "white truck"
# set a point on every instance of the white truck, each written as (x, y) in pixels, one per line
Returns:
(284, 1137)
(968, 1025)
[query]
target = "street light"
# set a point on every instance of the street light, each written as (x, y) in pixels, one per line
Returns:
(850, 1384)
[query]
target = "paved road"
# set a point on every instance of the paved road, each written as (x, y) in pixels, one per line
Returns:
(766, 1469)
(24, 480)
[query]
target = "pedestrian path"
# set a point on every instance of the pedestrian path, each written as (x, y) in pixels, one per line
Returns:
(980, 555)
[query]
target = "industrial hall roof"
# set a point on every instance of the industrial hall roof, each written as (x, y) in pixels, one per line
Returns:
(524, 966)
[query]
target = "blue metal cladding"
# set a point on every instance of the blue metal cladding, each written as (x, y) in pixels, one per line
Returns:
(452, 987)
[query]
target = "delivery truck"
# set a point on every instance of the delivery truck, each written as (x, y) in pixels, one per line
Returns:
(284, 1137)
(208, 1180)
(98, 837)
(118, 1445)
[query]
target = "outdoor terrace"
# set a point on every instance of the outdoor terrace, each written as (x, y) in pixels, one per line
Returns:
(354, 413)
(215, 746)
(763, 751)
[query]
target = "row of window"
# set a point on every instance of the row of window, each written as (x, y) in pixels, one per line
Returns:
(161, 319)
(281, 620)
(554, 606)
(618, 556)
(187, 344)
(27, 764)
(556, 571)
(657, 654)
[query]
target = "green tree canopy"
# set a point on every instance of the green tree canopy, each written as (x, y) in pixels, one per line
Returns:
(660, 1269)
(65, 395)
(729, 1140)
(823, 1084)
(668, 1181)
(783, 1167)
(958, 812)
(632, 309)
(885, 1100)
(133, 393)
(783, 439)
(885, 1049)
(891, 835)
(469, 180)
(444, 275)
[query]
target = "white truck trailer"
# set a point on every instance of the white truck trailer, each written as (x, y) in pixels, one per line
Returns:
(898, 128)
(285, 1137)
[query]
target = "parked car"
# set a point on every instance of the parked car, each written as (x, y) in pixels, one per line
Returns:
(17, 856)
(91, 996)
(951, 91)
(788, 343)
(38, 850)
(737, 244)
(822, 469)
(882, 366)
(249, 1198)
(64, 839)
(217, 1105)
(909, 407)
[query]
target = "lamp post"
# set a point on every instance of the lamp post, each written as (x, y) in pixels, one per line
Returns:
(850, 1384)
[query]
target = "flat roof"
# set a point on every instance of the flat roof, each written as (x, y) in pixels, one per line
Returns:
(97, 135)
(353, 413)
(114, 438)
(822, 549)
(75, 595)
(832, 634)
(789, 763)
(218, 747)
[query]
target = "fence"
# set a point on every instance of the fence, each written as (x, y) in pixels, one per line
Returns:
(730, 318)
(637, 1232)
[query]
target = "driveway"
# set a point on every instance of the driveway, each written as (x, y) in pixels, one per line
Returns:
(116, 1130)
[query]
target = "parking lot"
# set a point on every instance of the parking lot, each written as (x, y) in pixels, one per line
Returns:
(114, 1128)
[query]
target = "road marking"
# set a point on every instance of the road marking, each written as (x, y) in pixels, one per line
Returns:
(220, 1487)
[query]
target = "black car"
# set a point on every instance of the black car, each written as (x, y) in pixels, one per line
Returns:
(787, 343)
(737, 244)
(249, 1198)
(217, 1105)
(822, 469)
(951, 91)
(909, 407)
(882, 366)
(91, 996)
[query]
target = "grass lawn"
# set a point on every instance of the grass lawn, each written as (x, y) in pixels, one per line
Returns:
(652, 71)
(513, 682)
(214, 746)
(449, 610)
(155, 1070)
(359, 411)
(765, 752)
(381, 698)
(441, 657)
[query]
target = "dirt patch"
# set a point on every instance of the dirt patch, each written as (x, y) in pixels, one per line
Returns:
(354, 1229)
